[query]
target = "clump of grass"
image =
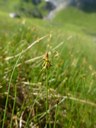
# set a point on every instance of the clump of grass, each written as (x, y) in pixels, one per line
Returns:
(61, 95)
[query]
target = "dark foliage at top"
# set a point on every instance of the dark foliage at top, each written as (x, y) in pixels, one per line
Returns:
(33, 1)
(49, 6)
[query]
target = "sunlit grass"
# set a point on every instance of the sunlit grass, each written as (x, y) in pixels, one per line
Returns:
(56, 91)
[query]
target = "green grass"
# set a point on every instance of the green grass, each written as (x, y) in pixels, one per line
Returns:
(77, 17)
(8, 5)
(24, 9)
(57, 91)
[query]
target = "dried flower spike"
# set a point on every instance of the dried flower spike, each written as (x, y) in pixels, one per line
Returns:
(47, 62)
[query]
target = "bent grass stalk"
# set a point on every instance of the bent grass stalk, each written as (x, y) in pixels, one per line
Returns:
(25, 50)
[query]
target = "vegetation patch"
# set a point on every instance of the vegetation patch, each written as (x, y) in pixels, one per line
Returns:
(48, 73)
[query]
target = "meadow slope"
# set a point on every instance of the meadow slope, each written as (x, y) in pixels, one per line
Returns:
(48, 71)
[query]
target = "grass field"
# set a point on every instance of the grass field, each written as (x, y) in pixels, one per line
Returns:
(48, 71)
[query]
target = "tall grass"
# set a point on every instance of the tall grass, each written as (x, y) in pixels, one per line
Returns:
(55, 90)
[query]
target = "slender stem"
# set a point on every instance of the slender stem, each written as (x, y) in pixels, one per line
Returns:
(46, 95)
(13, 105)
(6, 104)
(55, 116)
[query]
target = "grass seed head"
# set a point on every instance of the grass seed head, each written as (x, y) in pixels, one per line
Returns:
(46, 63)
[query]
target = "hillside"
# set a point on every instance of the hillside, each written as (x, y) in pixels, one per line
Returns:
(48, 71)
